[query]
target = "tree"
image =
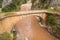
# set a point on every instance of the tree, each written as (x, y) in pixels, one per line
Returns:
(14, 6)
(41, 4)
(0, 3)
(6, 36)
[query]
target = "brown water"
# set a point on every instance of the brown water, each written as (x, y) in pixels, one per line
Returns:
(30, 28)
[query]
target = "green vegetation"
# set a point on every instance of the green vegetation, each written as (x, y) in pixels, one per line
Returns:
(15, 5)
(0, 3)
(51, 20)
(6, 36)
(9, 8)
(41, 4)
(53, 23)
(55, 9)
(42, 1)
(19, 2)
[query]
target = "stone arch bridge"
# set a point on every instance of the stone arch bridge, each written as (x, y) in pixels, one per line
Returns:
(6, 18)
(8, 21)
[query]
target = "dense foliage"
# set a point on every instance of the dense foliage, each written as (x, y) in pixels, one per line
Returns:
(0, 3)
(54, 25)
(9, 8)
(51, 20)
(15, 5)
(6, 36)
(42, 1)
(41, 4)
(19, 2)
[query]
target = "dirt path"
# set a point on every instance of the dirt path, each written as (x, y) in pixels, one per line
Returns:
(29, 27)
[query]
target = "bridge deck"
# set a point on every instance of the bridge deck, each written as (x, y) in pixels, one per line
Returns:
(26, 13)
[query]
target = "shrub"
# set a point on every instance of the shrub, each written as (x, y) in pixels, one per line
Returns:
(15, 5)
(53, 23)
(19, 2)
(9, 8)
(51, 20)
(6, 36)
(0, 3)
(42, 1)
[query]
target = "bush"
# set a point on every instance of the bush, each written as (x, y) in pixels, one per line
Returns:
(51, 20)
(19, 2)
(42, 1)
(9, 8)
(0, 3)
(53, 23)
(6, 36)
(15, 5)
